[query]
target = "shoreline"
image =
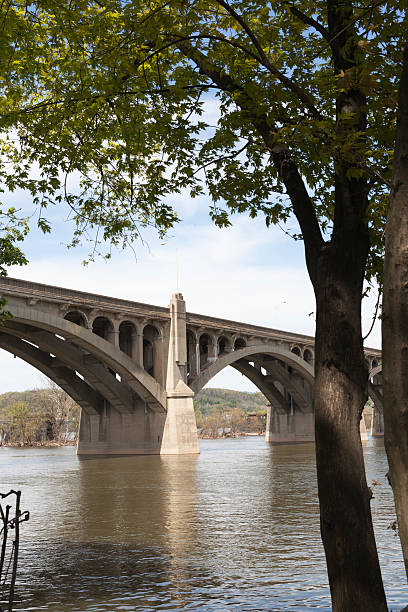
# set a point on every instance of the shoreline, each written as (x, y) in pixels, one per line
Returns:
(38, 444)
(73, 443)
(228, 435)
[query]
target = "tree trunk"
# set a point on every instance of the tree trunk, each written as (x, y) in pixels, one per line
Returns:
(340, 395)
(395, 321)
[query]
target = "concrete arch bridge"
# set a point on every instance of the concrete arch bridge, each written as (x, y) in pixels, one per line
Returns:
(134, 368)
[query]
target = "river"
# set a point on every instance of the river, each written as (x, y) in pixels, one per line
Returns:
(235, 528)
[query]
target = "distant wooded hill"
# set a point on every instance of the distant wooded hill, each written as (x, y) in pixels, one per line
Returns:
(209, 400)
(39, 416)
(34, 398)
(217, 410)
(206, 401)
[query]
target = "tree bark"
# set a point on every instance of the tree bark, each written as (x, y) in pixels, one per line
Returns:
(340, 395)
(395, 320)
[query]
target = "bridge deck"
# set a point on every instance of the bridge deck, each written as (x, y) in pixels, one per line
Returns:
(40, 291)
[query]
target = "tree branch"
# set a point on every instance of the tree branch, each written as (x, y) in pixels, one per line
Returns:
(281, 158)
(222, 158)
(310, 21)
(291, 85)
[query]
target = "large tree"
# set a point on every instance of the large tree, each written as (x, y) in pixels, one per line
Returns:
(395, 319)
(116, 92)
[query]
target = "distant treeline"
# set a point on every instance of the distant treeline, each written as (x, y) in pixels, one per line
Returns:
(49, 415)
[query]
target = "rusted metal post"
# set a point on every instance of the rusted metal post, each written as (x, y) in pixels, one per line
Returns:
(16, 545)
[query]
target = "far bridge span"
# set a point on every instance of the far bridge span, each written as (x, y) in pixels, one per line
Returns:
(134, 368)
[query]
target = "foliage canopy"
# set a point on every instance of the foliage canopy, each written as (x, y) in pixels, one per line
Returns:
(116, 95)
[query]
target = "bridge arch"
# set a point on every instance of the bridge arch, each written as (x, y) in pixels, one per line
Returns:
(224, 344)
(207, 347)
(296, 350)
(152, 351)
(192, 353)
(58, 335)
(272, 349)
(301, 364)
(239, 343)
(75, 315)
(284, 378)
(373, 388)
(375, 370)
(103, 327)
(127, 334)
(78, 389)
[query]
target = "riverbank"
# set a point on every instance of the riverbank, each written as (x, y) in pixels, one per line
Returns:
(53, 444)
(48, 444)
(222, 436)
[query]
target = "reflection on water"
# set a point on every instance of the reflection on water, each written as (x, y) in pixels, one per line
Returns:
(233, 529)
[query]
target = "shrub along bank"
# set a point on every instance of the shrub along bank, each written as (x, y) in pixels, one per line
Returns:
(38, 417)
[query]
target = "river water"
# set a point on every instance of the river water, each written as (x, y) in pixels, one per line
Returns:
(235, 528)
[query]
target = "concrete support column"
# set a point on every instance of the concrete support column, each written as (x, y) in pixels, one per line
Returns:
(137, 345)
(113, 336)
(212, 350)
(192, 356)
(377, 423)
(112, 432)
(197, 356)
(268, 423)
(88, 436)
(92, 431)
(286, 428)
(363, 430)
(158, 365)
(180, 430)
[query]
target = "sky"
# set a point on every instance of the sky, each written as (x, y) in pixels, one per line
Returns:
(247, 273)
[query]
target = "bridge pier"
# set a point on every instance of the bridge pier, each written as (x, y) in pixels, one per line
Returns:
(180, 431)
(377, 423)
(375, 391)
(289, 428)
(116, 433)
(143, 431)
(363, 430)
(296, 428)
